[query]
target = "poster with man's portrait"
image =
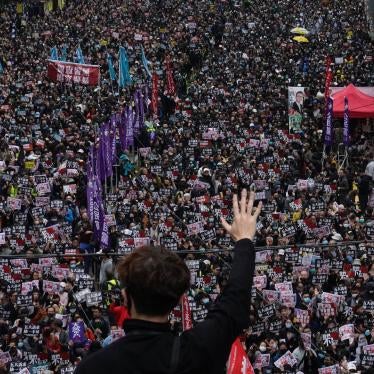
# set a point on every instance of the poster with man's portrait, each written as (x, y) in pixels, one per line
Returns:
(296, 97)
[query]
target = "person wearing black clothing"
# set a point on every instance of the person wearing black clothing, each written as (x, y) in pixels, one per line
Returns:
(364, 189)
(154, 281)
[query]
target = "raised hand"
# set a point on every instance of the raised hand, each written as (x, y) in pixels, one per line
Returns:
(244, 223)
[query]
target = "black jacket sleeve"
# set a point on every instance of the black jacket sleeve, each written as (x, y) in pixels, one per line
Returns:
(230, 314)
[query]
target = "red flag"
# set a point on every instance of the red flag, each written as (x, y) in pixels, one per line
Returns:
(328, 77)
(238, 361)
(169, 77)
(69, 72)
(154, 100)
(186, 314)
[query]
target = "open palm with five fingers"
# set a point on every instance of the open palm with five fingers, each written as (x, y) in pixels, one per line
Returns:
(244, 223)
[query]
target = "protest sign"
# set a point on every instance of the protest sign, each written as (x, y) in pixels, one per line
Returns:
(287, 359)
(347, 332)
(195, 228)
(307, 340)
(31, 330)
(262, 361)
(334, 369)
(77, 332)
(295, 108)
(68, 72)
(94, 298)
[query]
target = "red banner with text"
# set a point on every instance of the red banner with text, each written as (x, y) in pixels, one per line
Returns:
(69, 72)
(154, 99)
(186, 314)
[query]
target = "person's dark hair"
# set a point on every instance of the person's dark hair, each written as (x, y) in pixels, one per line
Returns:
(154, 278)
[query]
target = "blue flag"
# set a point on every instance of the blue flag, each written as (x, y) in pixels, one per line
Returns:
(124, 78)
(54, 53)
(80, 58)
(1, 68)
(145, 63)
(112, 72)
(64, 53)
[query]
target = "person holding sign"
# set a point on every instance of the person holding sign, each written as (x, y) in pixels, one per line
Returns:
(154, 281)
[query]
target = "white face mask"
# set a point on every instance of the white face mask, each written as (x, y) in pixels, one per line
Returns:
(262, 348)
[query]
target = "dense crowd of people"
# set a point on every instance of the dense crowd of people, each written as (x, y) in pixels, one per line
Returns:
(226, 128)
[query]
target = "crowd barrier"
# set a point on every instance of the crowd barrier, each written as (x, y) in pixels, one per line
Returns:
(186, 252)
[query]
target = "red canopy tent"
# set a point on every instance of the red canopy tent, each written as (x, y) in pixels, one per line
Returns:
(360, 105)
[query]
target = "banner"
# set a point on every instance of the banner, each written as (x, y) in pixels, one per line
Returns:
(238, 361)
(328, 77)
(154, 100)
(169, 77)
(329, 129)
(69, 72)
(186, 314)
(346, 123)
(295, 108)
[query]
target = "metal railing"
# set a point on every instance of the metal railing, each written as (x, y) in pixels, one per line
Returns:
(186, 252)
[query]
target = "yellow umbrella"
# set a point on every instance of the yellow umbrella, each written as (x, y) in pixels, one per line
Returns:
(300, 39)
(300, 30)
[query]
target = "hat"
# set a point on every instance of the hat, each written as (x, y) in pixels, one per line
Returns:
(281, 252)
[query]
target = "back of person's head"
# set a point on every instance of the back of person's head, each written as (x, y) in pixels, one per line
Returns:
(154, 279)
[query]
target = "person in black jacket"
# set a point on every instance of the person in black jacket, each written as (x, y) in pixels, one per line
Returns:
(154, 281)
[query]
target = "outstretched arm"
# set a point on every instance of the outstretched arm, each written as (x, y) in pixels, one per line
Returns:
(230, 314)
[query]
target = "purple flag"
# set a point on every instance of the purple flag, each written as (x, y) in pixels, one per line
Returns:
(329, 127)
(97, 211)
(77, 332)
(141, 109)
(136, 125)
(346, 123)
(146, 95)
(130, 127)
(108, 149)
(113, 125)
(90, 195)
(97, 169)
(105, 152)
(100, 159)
(104, 235)
(89, 189)
(122, 130)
